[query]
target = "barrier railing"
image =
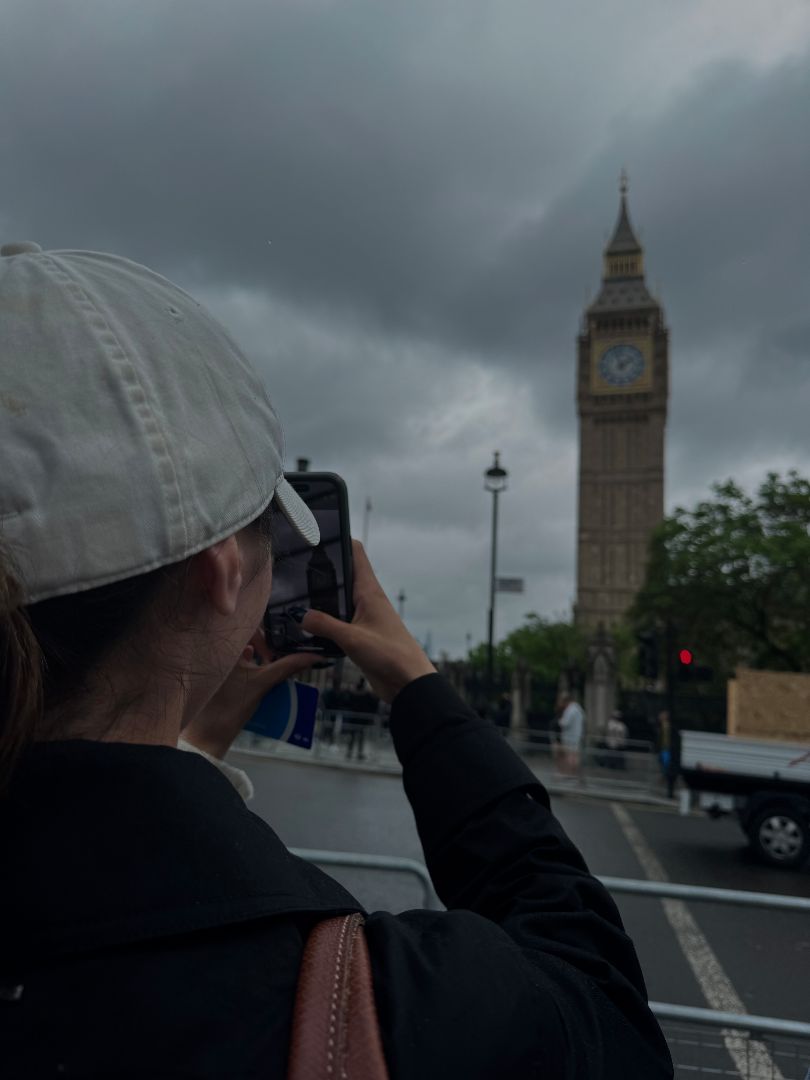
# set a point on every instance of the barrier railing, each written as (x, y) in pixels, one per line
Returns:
(675, 891)
(394, 863)
(756, 1047)
(633, 765)
(349, 738)
(341, 738)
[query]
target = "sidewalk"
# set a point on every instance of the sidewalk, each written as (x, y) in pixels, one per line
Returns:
(382, 761)
(593, 788)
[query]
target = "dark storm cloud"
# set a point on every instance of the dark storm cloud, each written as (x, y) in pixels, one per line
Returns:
(720, 202)
(194, 133)
(399, 210)
(426, 195)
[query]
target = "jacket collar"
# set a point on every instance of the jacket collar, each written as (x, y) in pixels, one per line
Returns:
(107, 843)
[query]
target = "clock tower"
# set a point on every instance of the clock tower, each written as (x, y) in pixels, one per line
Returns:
(622, 395)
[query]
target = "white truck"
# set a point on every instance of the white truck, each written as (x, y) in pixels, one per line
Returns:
(765, 783)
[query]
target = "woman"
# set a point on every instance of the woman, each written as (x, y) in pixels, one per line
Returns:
(151, 925)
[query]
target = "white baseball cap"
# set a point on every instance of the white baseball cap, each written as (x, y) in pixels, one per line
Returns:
(133, 432)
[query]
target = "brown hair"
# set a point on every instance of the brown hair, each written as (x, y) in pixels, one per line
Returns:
(49, 650)
(20, 671)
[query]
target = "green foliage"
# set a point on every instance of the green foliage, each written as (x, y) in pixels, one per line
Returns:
(542, 647)
(624, 640)
(733, 575)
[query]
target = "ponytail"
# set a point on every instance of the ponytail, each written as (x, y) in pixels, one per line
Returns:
(21, 688)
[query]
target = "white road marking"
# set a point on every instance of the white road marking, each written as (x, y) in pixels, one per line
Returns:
(752, 1060)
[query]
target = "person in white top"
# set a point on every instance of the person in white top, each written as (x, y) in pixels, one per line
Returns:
(572, 729)
(616, 733)
(615, 740)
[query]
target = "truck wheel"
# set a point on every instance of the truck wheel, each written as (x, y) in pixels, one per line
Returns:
(780, 836)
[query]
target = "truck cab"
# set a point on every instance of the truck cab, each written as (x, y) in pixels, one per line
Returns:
(765, 783)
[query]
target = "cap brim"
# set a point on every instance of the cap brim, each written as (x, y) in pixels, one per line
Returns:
(296, 511)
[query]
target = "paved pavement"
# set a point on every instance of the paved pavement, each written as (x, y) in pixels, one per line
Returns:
(691, 954)
(640, 782)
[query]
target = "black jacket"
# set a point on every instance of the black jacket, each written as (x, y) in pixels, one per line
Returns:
(156, 925)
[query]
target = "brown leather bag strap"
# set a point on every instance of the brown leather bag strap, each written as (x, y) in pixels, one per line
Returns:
(335, 1032)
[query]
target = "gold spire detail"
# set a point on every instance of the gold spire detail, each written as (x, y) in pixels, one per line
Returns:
(623, 255)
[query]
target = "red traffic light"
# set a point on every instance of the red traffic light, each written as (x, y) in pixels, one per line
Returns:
(685, 656)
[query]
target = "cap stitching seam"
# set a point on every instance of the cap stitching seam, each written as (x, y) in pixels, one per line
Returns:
(154, 435)
(229, 419)
(154, 564)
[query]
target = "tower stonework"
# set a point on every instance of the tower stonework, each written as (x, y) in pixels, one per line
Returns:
(622, 397)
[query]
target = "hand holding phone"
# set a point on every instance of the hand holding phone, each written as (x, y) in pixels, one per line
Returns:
(221, 719)
(376, 639)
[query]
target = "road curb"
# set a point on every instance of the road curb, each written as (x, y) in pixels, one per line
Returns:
(244, 756)
(587, 792)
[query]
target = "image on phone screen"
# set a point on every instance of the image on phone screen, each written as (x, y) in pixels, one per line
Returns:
(308, 577)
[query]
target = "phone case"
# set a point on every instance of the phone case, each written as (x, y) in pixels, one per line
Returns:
(283, 634)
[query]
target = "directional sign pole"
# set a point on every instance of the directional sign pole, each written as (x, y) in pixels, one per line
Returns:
(366, 520)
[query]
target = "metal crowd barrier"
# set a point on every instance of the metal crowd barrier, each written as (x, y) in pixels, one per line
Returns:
(375, 862)
(633, 766)
(673, 891)
(707, 1053)
(344, 738)
(756, 1047)
(341, 738)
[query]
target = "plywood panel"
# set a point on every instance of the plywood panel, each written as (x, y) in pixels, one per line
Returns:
(769, 704)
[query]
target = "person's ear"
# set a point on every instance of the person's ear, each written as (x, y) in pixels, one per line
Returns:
(220, 569)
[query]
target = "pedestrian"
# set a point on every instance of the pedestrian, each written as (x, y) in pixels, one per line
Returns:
(615, 739)
(363, 709)
(572, 730)
(503, 717)
(665, 752)
(150, 924)
(555, 733)
(329, 703)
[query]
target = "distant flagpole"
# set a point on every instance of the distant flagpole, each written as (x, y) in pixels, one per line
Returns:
(366, 517)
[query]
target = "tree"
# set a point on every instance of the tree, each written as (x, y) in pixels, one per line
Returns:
(733, 576)
(543, 647)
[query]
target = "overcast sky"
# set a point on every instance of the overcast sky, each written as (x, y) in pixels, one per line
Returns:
(398, 209)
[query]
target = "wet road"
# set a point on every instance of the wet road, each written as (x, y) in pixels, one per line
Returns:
(763, 956)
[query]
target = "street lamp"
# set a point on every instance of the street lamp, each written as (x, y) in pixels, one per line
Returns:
(494, 481)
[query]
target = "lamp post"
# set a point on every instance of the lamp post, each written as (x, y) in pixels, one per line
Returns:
(366, 519)
(494, 481)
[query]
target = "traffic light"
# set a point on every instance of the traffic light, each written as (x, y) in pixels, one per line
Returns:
(647, 655)
(688, 671)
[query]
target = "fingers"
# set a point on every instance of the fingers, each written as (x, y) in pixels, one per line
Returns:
(322, 625)
(257, 652)
(258, 681)
(365, 580)
(260, 647)
(288, 666)
(376, 640)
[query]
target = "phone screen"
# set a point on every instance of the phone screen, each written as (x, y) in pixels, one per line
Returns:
(304, 576)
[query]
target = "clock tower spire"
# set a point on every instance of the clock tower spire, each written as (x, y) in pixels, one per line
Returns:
(624, 256)
(622, 397)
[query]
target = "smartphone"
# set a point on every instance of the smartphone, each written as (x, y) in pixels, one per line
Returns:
(303, 576)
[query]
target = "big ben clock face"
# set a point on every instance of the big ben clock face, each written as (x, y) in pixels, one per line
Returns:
(621, 365)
